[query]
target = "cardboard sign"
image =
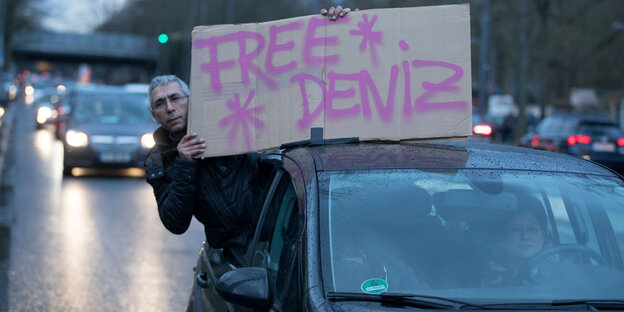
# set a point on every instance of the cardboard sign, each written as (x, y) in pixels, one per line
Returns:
(386, 74)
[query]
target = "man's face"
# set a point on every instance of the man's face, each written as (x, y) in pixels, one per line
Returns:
(169, 107)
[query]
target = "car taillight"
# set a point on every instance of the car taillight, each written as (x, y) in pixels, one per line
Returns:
(582, 139)
(620, 142)
(482, 129)
(535, 141)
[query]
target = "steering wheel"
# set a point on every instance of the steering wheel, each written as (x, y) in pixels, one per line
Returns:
(565, 251)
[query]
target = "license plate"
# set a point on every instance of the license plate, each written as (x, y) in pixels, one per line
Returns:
(603, 147)
(115, 157)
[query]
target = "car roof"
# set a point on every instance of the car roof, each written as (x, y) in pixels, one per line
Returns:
(446, 155)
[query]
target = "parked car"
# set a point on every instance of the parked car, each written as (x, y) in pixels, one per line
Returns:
(372, 227)
(105, 127)
(594, 138)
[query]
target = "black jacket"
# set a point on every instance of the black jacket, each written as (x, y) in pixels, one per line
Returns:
(221, 192)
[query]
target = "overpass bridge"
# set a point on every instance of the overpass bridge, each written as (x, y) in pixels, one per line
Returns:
(113, 57)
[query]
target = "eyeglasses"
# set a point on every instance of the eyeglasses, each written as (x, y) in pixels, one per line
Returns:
(529, 230)
(175, 99)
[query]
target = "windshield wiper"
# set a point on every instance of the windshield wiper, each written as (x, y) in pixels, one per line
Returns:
(596, 304)
(561, 304)
(412, 300)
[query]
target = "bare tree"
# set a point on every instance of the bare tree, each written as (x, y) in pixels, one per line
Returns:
(18, 15)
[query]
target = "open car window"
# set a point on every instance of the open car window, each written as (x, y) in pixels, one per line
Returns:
(278, 237)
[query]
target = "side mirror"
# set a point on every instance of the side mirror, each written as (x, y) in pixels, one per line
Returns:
(247, 287)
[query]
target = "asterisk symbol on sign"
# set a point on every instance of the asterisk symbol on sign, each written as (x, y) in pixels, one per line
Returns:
(368, 35)
(241, 117)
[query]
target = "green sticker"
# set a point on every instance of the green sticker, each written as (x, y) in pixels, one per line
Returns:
(374, 286)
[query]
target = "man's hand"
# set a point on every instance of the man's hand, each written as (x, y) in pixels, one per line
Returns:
(191, 146)
(335, 13)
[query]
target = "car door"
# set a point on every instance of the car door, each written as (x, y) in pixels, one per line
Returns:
(212, 264)
(275, 246)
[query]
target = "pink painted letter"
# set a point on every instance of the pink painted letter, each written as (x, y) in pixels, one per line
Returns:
(274, 48)
(448, 85)
(310, 42)
(308, 118)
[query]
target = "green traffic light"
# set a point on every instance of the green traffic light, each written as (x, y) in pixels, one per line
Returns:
(163, 38)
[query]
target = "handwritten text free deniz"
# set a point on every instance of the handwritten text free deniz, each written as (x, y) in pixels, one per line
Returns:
(378, 74)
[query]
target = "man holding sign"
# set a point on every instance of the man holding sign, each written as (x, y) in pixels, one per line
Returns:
(220, 192)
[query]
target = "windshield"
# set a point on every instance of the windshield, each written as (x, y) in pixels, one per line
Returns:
(112, 109)
(482, 234)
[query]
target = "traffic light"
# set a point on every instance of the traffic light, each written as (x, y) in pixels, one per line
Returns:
(163, 38)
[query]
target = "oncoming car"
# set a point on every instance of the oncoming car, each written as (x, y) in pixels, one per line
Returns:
(370, 226)
(106, 127)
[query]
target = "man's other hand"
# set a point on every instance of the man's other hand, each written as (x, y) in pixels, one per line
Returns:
(335, 13)
(191, 146)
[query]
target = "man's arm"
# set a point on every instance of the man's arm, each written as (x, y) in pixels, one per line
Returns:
(175, 190)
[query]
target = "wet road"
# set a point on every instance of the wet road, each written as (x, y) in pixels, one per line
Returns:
(93, 242)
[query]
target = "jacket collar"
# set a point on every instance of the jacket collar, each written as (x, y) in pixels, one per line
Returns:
(164, 140)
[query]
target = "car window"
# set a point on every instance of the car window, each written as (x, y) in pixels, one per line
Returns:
(557, 124)
(599, 128)
(111, 109)
(294, 295)
(486, 234)
(280, 232)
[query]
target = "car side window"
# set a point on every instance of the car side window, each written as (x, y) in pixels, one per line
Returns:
(281, 229)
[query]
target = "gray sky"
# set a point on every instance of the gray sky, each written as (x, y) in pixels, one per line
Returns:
(78, 16)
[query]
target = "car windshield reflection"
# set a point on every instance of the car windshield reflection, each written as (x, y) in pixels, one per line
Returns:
(473, 234)
(112, 109)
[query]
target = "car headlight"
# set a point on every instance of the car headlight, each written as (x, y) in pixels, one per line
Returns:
(29, 90)
(147, 140)
(43, 114)
(76, 138)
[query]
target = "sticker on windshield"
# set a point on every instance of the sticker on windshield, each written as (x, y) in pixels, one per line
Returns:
(374, 286)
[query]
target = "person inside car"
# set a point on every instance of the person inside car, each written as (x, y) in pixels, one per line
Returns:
(523, 235)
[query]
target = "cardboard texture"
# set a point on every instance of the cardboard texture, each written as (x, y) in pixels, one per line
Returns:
(385, 74)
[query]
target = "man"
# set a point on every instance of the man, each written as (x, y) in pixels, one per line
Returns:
(221, 192)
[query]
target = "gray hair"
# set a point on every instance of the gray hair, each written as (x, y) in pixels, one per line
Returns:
(165, 79)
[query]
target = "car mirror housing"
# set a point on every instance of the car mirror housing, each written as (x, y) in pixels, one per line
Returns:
(247, 287)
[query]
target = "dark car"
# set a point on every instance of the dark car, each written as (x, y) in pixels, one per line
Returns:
(106, 127)
(387, 227)
(594, 138)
